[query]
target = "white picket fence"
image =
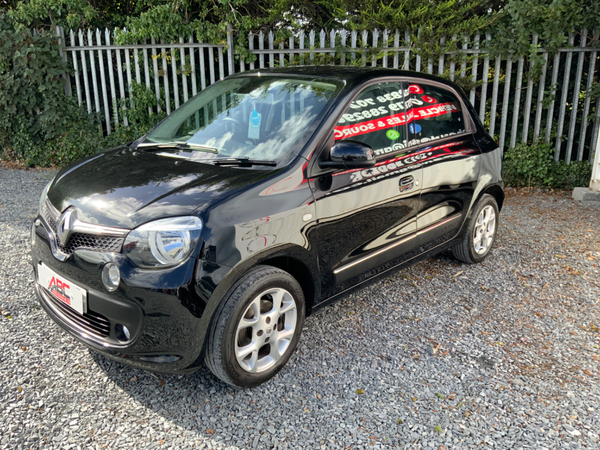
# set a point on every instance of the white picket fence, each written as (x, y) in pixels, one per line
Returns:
(513, 108)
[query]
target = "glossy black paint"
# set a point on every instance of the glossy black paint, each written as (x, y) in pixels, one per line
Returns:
(332, 229)
(126, 187)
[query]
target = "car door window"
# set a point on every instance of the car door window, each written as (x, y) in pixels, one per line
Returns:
(435, 113)
(376, 118)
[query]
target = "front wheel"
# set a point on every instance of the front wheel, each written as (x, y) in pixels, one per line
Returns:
(481, 232)
(256, 327)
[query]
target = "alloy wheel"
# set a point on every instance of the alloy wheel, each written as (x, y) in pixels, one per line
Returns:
(484, 230)
(265, 331)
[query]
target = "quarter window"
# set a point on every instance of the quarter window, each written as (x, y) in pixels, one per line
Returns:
(376, 118)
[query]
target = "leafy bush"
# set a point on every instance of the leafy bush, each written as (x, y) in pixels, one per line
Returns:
(534, 165)
(82, 138)
(39, 124)
(140, 109)
(32, 103)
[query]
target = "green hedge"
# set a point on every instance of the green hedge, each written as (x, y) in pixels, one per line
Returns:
(534, 165)
(39, 124)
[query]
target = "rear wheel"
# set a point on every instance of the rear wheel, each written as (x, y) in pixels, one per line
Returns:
(256, 327)
(481, 232)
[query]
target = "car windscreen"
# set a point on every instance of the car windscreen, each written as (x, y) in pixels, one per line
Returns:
(255, 117)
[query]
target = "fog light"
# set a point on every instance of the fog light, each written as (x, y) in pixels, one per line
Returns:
(122, 332)
(111, 277)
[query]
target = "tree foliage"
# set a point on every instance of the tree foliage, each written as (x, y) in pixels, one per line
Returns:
(39, 124)
(35, 110)
(68, 13)
(512, 21)
(32, 101)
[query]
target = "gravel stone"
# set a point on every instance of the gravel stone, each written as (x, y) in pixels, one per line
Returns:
(510, 345)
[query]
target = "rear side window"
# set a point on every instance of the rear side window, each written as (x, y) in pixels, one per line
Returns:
(376, 118)
(435, 113)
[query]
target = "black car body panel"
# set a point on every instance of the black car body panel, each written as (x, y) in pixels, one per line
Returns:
(333, 230)
(125, 187)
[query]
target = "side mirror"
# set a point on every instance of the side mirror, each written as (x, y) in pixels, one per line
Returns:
(349, 155)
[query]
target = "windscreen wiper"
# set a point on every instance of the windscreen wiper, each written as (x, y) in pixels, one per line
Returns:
(178, 146)
(243, 161)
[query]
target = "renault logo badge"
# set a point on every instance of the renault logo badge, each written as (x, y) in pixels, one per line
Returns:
(65, 225)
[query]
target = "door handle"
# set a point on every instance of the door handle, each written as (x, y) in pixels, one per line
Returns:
(407, 183)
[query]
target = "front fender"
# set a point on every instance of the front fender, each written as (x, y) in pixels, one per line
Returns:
(214, 281)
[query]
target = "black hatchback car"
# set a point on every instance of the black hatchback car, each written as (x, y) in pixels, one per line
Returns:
(266, 196)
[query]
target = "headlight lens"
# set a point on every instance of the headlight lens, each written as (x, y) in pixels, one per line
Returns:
(164, 242)
(45, 194)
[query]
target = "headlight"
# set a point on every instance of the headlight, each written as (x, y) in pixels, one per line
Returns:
(164, 242)
(45, 194)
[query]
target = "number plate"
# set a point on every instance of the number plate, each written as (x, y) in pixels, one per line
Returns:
(63, 289)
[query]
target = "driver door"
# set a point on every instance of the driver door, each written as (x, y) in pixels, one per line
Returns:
(367, 217)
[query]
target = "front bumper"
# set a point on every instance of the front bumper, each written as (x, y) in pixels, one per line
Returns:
(163, 309)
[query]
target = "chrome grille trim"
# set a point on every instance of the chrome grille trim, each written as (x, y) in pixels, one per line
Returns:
(85, 235)
(87, 228)
(92, 324)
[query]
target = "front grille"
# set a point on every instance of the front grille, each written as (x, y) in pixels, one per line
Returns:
(91, 242)
(49, 216)
(80, 240)
(92, 322)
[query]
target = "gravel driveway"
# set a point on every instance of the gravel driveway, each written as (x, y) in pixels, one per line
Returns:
(439, 356)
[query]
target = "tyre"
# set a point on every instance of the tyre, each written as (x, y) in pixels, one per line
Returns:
(481, 232)
(256, 327)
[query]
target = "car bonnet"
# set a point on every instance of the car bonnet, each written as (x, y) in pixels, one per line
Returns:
(126, 187)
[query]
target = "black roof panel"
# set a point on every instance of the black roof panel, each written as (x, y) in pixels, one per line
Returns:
(350, 74)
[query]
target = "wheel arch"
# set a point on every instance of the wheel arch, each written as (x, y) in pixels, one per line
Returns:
(293, 259)
(495, 191)
(300, 272)
(299, 262)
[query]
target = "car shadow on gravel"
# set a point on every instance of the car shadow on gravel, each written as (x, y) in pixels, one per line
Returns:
(204, 410)
(199, 403)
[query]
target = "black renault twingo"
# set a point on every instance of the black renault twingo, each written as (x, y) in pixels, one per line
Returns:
(266, 196)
